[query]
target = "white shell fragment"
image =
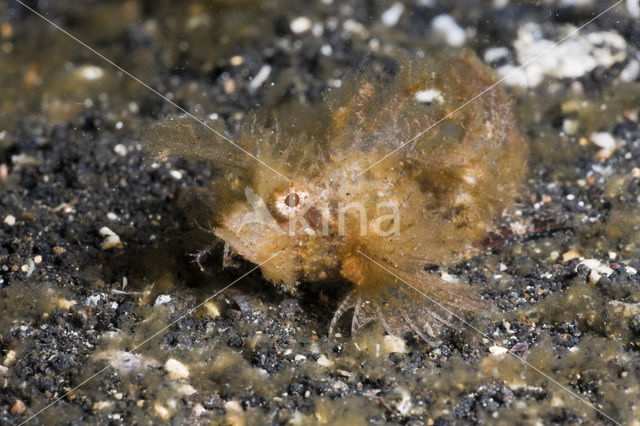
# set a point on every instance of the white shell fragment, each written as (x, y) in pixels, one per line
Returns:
(300, 25)
(497, 350)
(429, 96)
(391, 16)
(176, 370)
(111, 239)
(597, 269)
(446, 28)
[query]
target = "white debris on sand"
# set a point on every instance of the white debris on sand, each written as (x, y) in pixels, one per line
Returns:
(447, 29)
(186, 389)
(162, 299)
(65, 304)
(606, 142)
(10, 220)
(596, 268)
(428, 96)
(577, 55)
(391, 16)
(161, 411)
(300, 25)
(111, 239)
(603, 139)
(324, 361)
(497, 350)
(89, 72)
(93, 300)
(120, 149)
(176, 370)
(394, 344)
(494, 54)
(260, 78)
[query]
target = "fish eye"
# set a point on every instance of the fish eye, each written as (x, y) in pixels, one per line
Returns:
(292, 199)
(291, 202)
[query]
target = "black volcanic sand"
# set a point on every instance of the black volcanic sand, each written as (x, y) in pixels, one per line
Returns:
(95, 244)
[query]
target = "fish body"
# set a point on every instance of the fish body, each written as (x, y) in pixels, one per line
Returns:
(396, 172)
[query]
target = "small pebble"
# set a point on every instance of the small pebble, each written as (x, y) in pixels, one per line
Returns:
(233, 406)
(340, 386)
(212, 309)
(570, 127)
(10, 220)
(237, 60)
(161, 411)
(66, 304)
(187, 390)
(111, 239)
(120, 149)
(90, 72)
(497, 350)
(198, 410)
(300, 25)
(229, 86)
(355, 27)
(570, 255)
(260, 78)
(606, 142)
(446, 28)
(326, 50)
(106, 232)
(596, 268)
(18, 407)
(520, 347)
(345, 373)
(101, 405)
(394, 344)
(162, 299)
(429, 96)
(391, 16)
(93, 300)
(630, 115)
(324, 361)
(494, 54)
(176, 370)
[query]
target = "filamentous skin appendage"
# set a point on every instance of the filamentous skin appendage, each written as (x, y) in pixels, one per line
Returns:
(433, 201)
